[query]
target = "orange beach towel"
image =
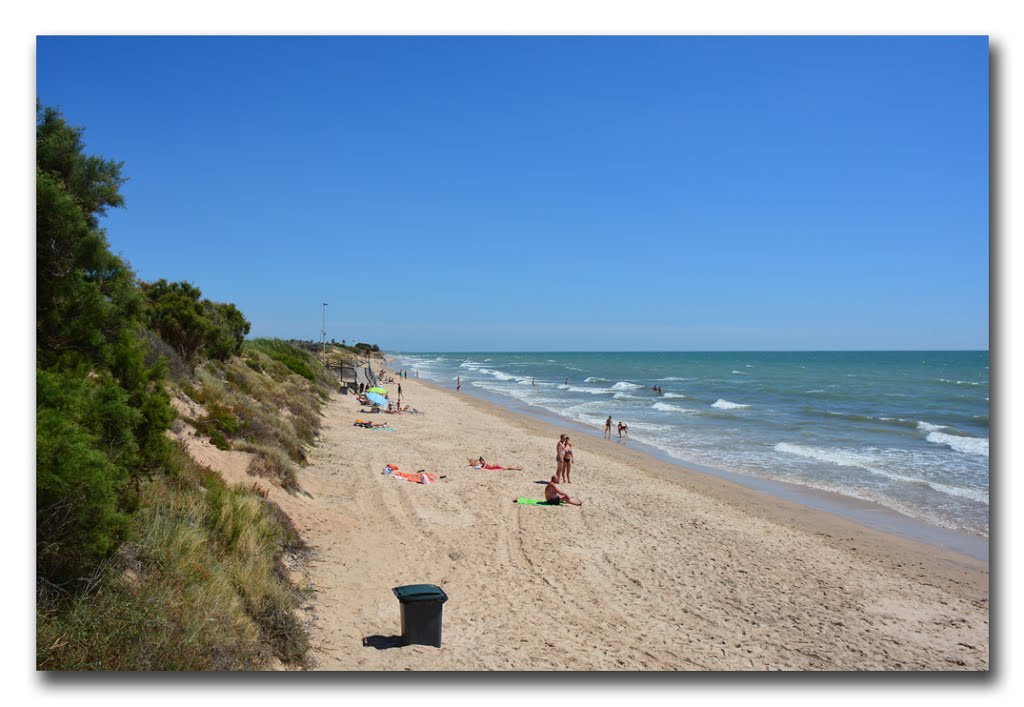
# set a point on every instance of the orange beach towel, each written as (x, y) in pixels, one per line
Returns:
(421, 477)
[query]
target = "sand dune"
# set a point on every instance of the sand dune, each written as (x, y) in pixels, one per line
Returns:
(661, 569)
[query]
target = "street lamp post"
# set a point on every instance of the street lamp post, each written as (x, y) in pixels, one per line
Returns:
(323, 335)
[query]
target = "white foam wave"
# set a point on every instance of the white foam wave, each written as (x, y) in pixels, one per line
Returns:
(592, 391)
(626, 396)
(674, 395)
(973, 494)
(838, 457)
(966, 445)
(870, 463)
(929, 427)
(843, 457)
(947, 380)
(742, 373)
(651, 427)
(674, 378)
(500, 375)
(726, 405)
(665, 407)
(623, 385)
(595, 379)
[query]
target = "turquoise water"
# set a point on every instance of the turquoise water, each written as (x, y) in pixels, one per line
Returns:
(907, 430)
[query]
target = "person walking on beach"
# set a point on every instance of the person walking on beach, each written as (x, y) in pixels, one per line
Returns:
(608, 428)
(567, 462)
(399, 391)
(556, 496)
(559, 457)
(623, 427)
(458, 383)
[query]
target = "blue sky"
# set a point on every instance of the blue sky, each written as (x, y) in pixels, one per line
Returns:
(553, 193)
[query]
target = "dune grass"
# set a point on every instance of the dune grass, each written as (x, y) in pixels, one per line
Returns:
(199, 585)
(258, 403)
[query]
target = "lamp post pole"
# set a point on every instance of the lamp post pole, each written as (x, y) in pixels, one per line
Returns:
(323, 334)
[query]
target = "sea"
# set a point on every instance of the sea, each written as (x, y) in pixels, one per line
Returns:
(907, 431)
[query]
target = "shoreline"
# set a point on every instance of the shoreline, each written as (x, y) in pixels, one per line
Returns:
(843, 531)
(865, 513)
(658, 570)
(862, 512)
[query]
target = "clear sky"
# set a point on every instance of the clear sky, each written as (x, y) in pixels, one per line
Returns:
(553, 193)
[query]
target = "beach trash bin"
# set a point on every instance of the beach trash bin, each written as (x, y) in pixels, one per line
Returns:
(422, 605)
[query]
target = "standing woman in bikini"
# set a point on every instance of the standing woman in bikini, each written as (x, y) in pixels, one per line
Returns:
(559, 457)
(567, 461)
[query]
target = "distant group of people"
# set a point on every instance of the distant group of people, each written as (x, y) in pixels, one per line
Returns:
(398, 409)
(391, 379)
(623, 428)
(553, 495)
(657, 389)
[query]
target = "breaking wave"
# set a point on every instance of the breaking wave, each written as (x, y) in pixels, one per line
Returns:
(726, 405)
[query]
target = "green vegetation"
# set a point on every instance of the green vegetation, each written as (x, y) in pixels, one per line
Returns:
(101, 409)
(297, 361)
(198, 586)
(256, 403)
(146, 561)
(194, 326)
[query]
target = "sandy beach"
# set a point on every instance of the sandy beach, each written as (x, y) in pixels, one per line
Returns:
(660, 569)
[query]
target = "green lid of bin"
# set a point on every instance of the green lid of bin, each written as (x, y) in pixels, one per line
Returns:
(420, 592)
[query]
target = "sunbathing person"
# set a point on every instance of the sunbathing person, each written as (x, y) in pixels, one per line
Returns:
(481, 463)
(556, 496)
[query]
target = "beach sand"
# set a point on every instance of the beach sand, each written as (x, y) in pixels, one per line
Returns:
(661, 569)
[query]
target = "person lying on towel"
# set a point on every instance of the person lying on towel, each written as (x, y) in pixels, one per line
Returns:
(481, 463)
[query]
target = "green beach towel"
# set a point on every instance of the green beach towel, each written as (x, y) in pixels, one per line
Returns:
(534, 502)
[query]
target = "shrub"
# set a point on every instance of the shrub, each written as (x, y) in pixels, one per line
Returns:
(295, 360)
(193, 326)
(273, 463)
(101, 409)
(198, 585)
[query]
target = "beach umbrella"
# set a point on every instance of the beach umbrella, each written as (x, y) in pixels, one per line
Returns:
(377, 398)
(377, 389)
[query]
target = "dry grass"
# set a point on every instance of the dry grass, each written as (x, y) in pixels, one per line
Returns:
(257, 403)
(199, 586)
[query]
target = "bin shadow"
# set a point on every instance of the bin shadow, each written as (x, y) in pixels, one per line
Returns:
(542, 483)
(382, 642)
